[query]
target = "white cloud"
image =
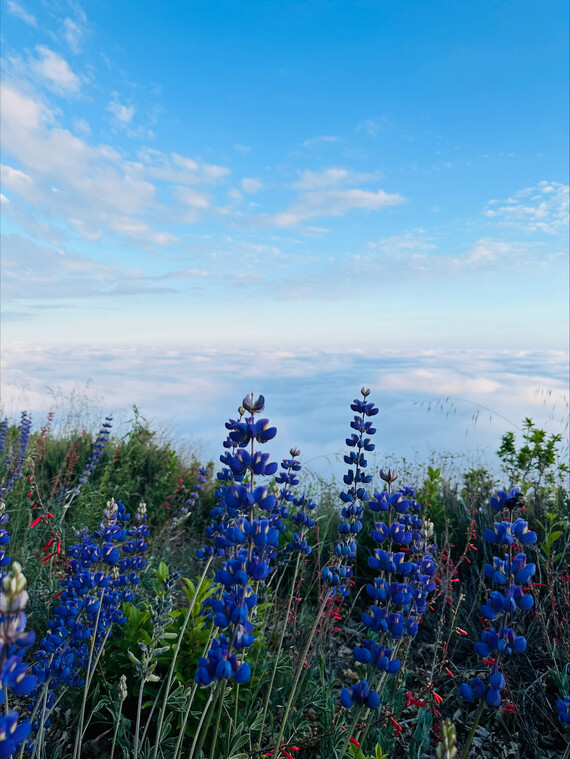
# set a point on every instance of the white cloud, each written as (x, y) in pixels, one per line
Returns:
(331, 177)
(542, 208)
(245, 149)
(191, 197)
(487, 252)
(56, 72)
(17, 9)
(178, 169)
(407, 244)
(320, 140)
(121, 113)
(94, 183)
(371, 127)
(73, 34)
(331, 203)
(178, 375)
(440, 381)
(17, 181)
(251, 185)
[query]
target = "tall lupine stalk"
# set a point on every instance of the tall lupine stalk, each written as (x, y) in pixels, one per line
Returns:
(16, 462)
(97, 451)
(4, 539)
(338, 576)
(249, 538)
(511, 573)
(14, 676)
(399, 593)
(103, 568)
(202, 476)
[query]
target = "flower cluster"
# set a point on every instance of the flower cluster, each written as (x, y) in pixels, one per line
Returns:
(102, 570)
(3, 433)
(17, 462)
(399, 593)
(97, 451)
(4, 539)
(245, 527)
(563, 708)
(302, 519)
(14, 676)
(339, 576)
(201, 479)
(511, 573)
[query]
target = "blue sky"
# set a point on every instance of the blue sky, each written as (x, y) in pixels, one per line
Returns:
(287, 182)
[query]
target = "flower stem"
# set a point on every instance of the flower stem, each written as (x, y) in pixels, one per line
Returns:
(206, 711)
(279, 645)
(175, 656)
(469, 740)
(298, 674)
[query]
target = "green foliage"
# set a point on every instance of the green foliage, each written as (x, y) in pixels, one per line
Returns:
(537, 467)
(142, 466)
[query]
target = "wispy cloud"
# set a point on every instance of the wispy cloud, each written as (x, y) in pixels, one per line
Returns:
(510, 255)
(93, 187)
(330, 177)
(57, 273)
(329, 203)
(251, 185)
(74, 29)
(409, 244)
(542, 208)
(123, 114)
(17, 9)
(372, 127)
(55, 71)
(179, 169)
(326, 139)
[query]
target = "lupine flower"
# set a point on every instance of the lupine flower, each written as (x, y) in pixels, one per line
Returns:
(3, 433)
(4, 539)
(360, 694)
(14, 674)
(354, 497)
(563, 707)
(103, 568)
(510, 573)
(405, 580)
(246, 524)
(97, 451)
(20, 458)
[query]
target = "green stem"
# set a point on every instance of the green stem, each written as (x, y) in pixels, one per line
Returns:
(469, 740)
(216, 729)
(175, 656)
(279, 645)
(350, 732)
(201, 733)
(236, 705)
(138, 724)
(298, 674)
(79, 736)
(116, 732)
(213, 633)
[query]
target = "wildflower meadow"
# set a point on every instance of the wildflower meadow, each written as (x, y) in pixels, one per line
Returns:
(154, 605)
